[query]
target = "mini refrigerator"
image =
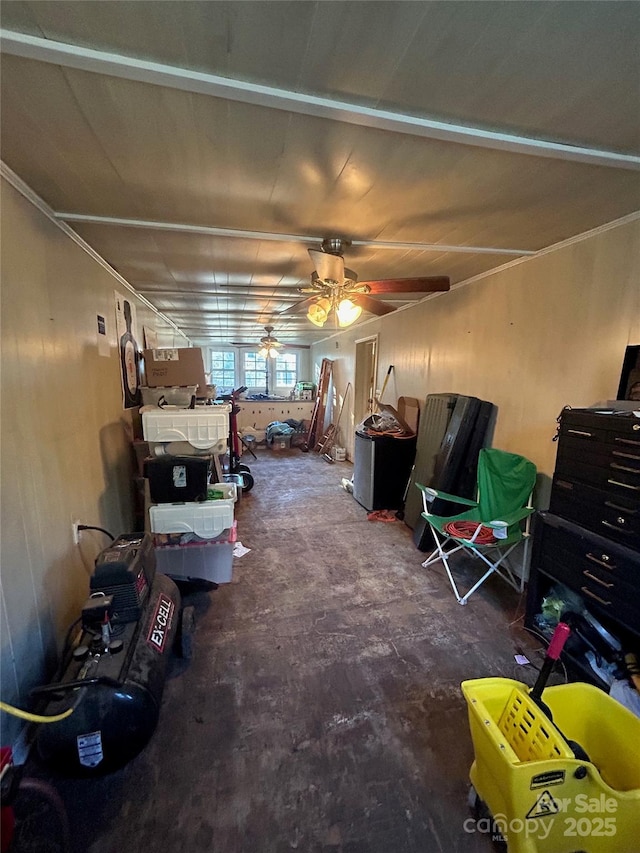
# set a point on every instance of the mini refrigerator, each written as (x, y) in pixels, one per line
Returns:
(381, 470)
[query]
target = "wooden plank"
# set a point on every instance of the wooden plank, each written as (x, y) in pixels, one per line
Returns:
(319, 409)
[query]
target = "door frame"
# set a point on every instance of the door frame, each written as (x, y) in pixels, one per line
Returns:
(365, 375)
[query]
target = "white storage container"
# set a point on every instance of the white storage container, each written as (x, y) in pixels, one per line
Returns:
(229, 490)
(179, 396)
(205, 427)
(206, 519)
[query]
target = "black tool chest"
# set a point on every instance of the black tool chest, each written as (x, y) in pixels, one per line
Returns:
(597, 477)
(590, 538)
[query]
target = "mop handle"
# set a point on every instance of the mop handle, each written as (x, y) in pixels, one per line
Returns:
(553, 653)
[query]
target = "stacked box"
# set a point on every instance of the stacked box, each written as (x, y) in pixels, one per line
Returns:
(193, 537)
(175, 479)
(176, 396)
(205, 519)
(204, 428)
(210, 561)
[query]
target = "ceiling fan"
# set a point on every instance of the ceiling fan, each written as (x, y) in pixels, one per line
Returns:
(269, 344)
(336, 288)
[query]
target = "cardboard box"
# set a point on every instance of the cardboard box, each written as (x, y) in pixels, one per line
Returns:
(175, 367)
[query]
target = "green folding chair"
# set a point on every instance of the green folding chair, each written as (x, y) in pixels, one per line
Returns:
(496, 523)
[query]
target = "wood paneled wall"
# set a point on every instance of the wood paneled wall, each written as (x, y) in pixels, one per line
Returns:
(534, 337)
(65, 438)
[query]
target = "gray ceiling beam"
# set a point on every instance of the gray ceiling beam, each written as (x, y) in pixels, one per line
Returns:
(212, 231)
(213, 85)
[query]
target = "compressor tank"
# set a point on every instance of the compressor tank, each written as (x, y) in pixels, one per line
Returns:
(116, 713)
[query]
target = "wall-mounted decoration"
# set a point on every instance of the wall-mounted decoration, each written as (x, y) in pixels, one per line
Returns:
(101, 336)
(129, 351)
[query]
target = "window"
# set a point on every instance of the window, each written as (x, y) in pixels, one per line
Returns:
(286, 370)
(255, 369)
(223, 371)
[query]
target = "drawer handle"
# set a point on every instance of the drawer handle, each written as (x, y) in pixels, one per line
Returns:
(588, 574)
(603, 561)
(580, 432)
(631, 441)
(616, 528)
(594, 596)
(624, 468)
(563, 484)
(626, 455)
(624, 485)
(619, 508)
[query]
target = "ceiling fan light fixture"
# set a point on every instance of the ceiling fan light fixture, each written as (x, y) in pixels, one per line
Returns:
(319, 311)
(268, 344)
(267, 352)
(347, 313)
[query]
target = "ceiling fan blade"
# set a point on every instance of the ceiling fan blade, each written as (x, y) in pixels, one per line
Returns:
(329, 267)
(373, 306)
(430, 284)
(296, 306)
(253, 344)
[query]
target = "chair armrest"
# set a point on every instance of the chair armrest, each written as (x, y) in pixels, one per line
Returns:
(431, 494)
(512, 517)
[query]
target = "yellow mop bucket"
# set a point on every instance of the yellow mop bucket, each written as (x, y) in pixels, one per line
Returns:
(541, 798)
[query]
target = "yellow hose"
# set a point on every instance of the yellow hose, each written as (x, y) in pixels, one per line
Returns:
(34, 718)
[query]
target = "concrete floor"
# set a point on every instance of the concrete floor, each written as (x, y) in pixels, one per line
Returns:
(321, 710)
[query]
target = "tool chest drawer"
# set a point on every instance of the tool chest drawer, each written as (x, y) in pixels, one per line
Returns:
(598, 426)
(618, 476)
(604, 573)
(615, 515)
(611, 456)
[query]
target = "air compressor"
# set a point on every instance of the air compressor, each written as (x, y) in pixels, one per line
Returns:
(113, 677)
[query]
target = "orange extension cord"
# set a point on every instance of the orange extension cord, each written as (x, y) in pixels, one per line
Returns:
(466, 529)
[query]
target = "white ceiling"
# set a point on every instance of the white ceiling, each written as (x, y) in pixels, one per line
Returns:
(442, 138)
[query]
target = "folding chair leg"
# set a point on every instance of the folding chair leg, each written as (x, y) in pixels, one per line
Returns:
(477, 584)
(441, 554)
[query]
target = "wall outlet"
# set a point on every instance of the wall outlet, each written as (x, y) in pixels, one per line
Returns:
(75, 532)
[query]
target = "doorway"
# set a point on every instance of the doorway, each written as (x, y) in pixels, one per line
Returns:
(366, 368)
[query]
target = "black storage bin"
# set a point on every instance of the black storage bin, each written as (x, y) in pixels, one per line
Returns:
(173, 479)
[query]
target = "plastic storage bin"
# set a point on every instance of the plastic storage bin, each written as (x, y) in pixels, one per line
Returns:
(205, 427)
(236, 481)
(209, 561)
(542, 798)
(281, 442)
(180, 396)
(229, 491)
(206, 519)
(177, 478)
